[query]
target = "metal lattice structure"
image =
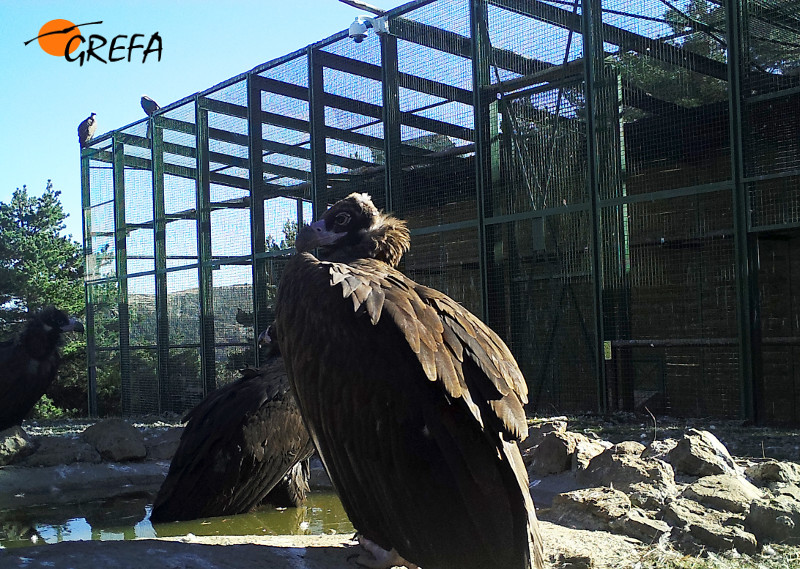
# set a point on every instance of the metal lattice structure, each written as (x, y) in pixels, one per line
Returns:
(612, 185)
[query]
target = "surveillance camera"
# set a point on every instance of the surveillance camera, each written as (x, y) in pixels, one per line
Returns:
(358, 30)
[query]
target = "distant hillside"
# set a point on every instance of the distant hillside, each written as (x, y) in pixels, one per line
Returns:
(183, 309)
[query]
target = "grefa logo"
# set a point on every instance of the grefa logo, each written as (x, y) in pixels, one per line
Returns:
(62, 38)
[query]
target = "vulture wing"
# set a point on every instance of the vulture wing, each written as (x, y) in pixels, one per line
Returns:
(444, 336)
(238, 444)
(414, 405)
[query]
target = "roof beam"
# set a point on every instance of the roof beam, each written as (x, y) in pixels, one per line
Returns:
(406, 80)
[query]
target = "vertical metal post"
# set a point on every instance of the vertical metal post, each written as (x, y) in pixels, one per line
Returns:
(208, 369)
(316, 102)
(593, 61)
(487, 143)
(746, 244)
(91, 345)
(160, 256)
(258, 237)
(390, 77)
(120, 240)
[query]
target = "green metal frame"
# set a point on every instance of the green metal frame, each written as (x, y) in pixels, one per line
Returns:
(593, 46)
(208, 358)
(121, 257)
(487, 141)
(160, 254)
(748, 314)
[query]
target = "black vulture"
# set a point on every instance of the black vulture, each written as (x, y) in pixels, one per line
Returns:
(87, 129)
(149, 106)
(29, 363)
(415, 406)
(243, 445)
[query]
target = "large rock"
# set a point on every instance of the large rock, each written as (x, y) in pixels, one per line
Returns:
(699, 453)
(15, 444)
(539, 430)
(650, 496)
(585, 450)
(53, 451)
(555, 453)
(116, 440)
(636, 524)
(710, 527)
(659, 449)
(590, 508)
(775, 520)
(623, 470)
(774, 471)
(162, 444)
(723, 492)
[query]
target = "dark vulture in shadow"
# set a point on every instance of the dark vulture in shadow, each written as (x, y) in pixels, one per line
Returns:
(243, 445)
(29, 363)
(87, 129)
(414, 404)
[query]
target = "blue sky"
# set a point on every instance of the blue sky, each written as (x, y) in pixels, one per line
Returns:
(43, 98)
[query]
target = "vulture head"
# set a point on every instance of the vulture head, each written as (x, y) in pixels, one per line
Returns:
(353, 228)
(269, 339)
(45, 329)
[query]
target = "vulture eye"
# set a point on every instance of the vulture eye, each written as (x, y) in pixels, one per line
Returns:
(342, 218)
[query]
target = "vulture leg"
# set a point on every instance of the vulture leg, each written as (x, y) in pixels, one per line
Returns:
(375, 557)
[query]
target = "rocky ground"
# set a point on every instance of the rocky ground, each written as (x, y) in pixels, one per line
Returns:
(611, 493)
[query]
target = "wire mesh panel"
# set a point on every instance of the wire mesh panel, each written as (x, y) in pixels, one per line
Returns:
(540, 293)
(671, 308)
(100, 245)
(233, 319)
(770, 121)
(183, 387)
(779, 279)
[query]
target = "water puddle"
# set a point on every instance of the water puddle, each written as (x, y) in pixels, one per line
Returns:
(129, 518)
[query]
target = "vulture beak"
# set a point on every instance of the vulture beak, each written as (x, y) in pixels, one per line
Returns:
(316, 235)
(73, 326)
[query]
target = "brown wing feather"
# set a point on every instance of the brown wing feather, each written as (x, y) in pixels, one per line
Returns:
(441, 332)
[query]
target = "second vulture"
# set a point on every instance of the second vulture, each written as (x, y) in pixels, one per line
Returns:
(414, 404)
(29, 363)
(244, 444)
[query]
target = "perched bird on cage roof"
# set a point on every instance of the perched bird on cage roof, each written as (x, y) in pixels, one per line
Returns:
(243, 445)
(29, 363)
(414, 404)
(87, 129)
(149, 106)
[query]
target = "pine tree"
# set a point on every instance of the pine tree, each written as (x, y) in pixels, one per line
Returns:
(38, 265)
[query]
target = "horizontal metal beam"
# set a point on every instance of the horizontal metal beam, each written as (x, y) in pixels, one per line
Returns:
(455, 44)
(405, 80)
